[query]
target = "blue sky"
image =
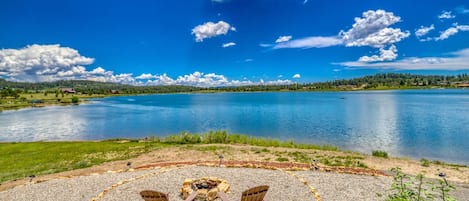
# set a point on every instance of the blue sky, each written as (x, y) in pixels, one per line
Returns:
(230, 42)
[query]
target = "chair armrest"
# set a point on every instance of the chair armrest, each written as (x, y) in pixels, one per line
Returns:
(192, 196)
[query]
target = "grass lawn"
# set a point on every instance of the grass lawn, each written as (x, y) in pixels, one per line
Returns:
(25, 99)
(20, 160)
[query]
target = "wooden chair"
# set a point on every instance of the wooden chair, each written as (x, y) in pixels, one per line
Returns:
(252, 194)
(149, 195)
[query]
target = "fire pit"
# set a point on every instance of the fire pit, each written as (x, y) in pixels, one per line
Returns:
(206, 187)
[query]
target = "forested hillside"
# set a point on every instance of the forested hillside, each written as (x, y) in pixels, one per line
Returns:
(378, 81)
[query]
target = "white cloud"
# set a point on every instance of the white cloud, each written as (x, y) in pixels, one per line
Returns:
(210, 80)
(36, 63)
(145, 76)
(463, 27)
(310, 42)
(265, 45)
(248, 60)
(296, 76)
(451, 31)
(205, 80)
(422, 31)
(455, 61)
(384, 55)
(283, 39)
(225, 45)
(373, 30)
(446, 15)
(447, 33)
(211, 29)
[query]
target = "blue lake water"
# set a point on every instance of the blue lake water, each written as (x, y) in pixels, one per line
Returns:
(431, 124)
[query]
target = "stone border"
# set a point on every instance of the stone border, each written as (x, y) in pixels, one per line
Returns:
(283, 167)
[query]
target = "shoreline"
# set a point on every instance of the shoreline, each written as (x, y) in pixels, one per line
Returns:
(238, 160)
(171, 153)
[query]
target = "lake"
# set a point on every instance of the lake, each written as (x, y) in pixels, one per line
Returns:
(432, 124)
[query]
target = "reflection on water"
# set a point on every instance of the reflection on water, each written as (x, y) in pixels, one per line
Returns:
(51, 123)
(422, 123)
(372, 123)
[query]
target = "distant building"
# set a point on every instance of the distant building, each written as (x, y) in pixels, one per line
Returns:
(68, 90)
(114, 92)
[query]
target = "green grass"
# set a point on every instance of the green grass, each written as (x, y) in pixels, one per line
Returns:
(223, 137)
(425, 162)
(282, 159)
(50, 99)
(379, 153)
(19, 160)
(211, 148)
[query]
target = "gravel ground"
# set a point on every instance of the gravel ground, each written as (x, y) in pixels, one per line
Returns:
(77, 188)
(333, 186)
(283, 187)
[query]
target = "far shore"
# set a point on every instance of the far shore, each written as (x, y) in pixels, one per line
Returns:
(50, 100)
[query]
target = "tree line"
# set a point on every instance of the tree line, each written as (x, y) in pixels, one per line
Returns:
(377, 81)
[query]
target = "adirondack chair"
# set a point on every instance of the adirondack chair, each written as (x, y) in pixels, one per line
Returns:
(149, 195)
(252, 194)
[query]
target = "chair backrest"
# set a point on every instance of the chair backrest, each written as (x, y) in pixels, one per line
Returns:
(255, 194)
(149, 195)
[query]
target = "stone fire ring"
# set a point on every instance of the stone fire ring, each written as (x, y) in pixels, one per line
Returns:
(206, 187)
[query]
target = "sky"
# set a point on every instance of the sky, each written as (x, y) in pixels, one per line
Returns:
(230, 42)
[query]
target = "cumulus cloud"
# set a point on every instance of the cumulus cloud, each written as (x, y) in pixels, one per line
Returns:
(37, 63)
(207, 80)
(451, 31)
(384, 55)
(446, 15)
(422, 31)
(296, 76)
(373, 30)
(455, 61)
(225, 45)
(145, 76)
(283, 39)
(211, 29)
(40, 61)
(310, 42)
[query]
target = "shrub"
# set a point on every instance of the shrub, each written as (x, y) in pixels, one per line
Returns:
(379, 153)
(75, 99)
(425, 162)
(406, 187)
(282, 159)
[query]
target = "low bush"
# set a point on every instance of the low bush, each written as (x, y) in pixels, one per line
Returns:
(379, 153)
